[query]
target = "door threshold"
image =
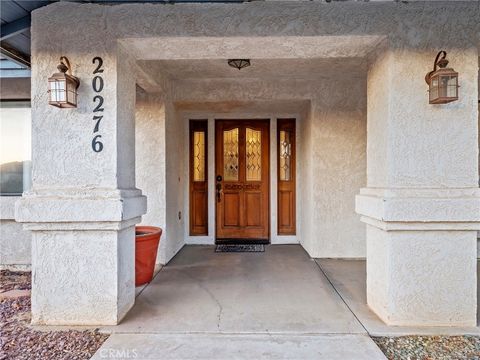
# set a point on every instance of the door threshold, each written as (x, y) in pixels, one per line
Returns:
(241, 241)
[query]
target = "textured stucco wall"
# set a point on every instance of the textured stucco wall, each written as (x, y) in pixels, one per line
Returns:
(338, 171)
(159, 168)
(82, 183)
(15, 246)
(83, 205)
(15, 243)
(150, 160)
(402, 260)
(247, 20)
(306, 159)
(403, 23)
(97, 262)
(397, 115)
(333, 159)
(422, 203)
(332, 151)
(335, 142)
(379, 99)
(175, 181)
(441, 159)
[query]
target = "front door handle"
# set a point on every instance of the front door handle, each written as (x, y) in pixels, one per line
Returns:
(219, 191)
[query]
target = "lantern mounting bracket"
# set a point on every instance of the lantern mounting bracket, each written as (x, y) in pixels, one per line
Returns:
(441, 61)
(65, 67)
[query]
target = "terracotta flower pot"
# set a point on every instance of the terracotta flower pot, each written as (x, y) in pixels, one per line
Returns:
(146, 245)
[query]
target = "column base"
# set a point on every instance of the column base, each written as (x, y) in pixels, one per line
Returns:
(83, 277)
(422, 278)
(83, 256)
(421, 255)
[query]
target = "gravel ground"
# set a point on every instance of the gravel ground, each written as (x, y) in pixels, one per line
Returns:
(18, 280)
(430, 347)
(21, 342)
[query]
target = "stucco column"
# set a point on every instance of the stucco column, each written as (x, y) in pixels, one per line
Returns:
(422, 202)
(83, 204)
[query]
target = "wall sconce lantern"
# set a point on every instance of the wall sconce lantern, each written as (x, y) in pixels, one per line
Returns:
(62, 87)
(239, 63)
(442, 82)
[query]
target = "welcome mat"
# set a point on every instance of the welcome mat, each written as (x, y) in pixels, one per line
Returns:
(240, 248)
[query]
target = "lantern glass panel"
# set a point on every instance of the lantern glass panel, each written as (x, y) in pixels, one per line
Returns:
(434, 88)
(57, 90)
(71, 92)
(449, 85)
(443, 88)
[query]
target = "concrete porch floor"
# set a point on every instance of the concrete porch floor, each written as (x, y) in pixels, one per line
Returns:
(348, 277)
(279, 304)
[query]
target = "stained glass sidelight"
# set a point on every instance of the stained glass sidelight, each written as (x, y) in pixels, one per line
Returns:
(230, 155)
(198, 156)
(254, 154)
(285, 155)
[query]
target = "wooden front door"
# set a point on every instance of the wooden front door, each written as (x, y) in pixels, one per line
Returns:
(242, 180)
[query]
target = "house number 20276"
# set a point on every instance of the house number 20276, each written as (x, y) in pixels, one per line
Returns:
(98, 100)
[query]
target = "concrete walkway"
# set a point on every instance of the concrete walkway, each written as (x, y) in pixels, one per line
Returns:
(349, 279)
(272, 305)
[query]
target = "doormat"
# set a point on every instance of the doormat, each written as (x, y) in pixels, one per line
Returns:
(240, 248)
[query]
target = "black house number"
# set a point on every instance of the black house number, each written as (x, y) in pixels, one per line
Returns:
(98, 100)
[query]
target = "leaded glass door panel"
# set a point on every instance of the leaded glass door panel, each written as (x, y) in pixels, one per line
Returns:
(242, 180)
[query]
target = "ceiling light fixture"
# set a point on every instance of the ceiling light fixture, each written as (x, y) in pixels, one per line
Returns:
(239, 63)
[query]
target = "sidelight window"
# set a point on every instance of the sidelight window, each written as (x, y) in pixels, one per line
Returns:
(199, 155)
(286, 176)
(198, 178)
(285, 152)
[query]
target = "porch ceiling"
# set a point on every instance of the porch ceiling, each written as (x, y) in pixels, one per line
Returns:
(308, 69)
(275, 80)
(265, 47)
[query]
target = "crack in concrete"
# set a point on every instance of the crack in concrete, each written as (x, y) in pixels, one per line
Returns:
(210, 294)
(214, 298)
